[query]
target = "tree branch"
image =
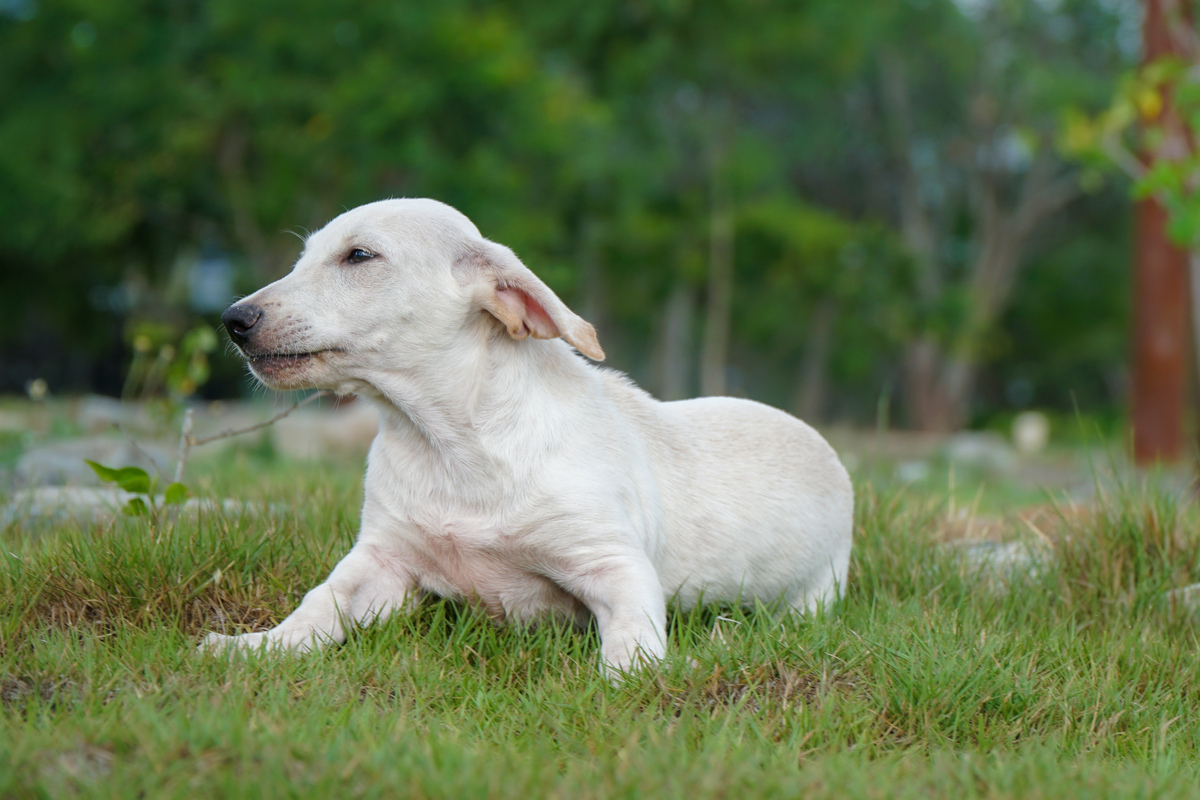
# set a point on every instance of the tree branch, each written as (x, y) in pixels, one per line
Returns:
(916, 223)
(194, 442)
(187, 441)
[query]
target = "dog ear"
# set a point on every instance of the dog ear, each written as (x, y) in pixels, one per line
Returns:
(510, 292)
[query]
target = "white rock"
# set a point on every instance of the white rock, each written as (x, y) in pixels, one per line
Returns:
(59, 504)
(1000, 565)
(56, 505)
(1186, 598)
(1031, 432)
(98, 414)
(912, 471)
(982, 449)
(316, 433)
(62, 463)
(14, 421)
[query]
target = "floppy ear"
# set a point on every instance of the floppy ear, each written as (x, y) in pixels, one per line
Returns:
(510, 292)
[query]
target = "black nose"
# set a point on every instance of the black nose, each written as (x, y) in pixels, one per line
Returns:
(239, 320)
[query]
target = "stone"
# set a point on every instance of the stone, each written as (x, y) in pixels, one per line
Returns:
(62, 463)
(982, 449)
(57, 505)
(307, 433)
(14, 421)
(1000, 565)
(90, 505)
(912, 471)
(1031, 432)
(212, 418)
(320, 432)
(1186, 598)
(98, 414)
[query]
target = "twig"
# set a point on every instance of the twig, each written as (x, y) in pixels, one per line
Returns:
(185, 436)
(193, 441)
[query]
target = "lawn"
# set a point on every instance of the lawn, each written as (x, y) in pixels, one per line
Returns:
(925, 681)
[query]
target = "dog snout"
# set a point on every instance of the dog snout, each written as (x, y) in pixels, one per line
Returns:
(239, 320)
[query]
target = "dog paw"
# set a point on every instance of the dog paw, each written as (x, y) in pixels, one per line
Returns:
(218, 643)
(263, 641)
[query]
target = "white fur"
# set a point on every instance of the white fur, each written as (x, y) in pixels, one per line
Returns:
(510, 472)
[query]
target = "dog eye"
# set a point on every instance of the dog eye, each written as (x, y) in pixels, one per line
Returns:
(359, 255)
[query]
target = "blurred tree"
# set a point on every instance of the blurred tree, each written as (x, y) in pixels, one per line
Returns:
(1064, 341)
(709, 183)
(321, 107)
(701, 98)
(821, 292)
(1148, 132)
(964, 158)
(133, 130)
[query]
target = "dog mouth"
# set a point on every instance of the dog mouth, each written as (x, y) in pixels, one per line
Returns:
(267, 359)
(275, 362)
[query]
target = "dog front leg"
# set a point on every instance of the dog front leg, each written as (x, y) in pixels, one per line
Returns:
(626, 598)
(363, 587)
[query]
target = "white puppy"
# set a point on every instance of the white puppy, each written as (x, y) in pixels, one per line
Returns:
(511, 473)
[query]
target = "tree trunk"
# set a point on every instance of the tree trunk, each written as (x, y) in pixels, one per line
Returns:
(918, 225)
(812, 378)
(715, 353)
(1194, 283)
(939, 378)
(593, 303)
(1159, 339)
(1160, 280)
(1194, 286)
(932, 404)
(676, 348)
(231, 165)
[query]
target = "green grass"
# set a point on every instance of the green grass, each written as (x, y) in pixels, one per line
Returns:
(920, 684)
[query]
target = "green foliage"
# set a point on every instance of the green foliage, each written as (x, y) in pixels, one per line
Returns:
(162, 361)
(136, 507)
(592, 137)
(131, 479)
(1138, 122)
(792, 254)
(137, 481)
(1065, 345)
(175, 494)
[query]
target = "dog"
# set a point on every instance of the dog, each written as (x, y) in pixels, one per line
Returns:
(512, 473)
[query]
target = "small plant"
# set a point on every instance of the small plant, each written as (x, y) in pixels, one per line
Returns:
(166, 364)
(137, 481)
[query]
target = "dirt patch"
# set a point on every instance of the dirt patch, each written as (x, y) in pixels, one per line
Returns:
(17, 692)
(80, 766)
(769, 687)
(229, 616)
(1047, 522)
(75, 611)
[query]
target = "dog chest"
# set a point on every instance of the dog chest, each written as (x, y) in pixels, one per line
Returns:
(488, 569)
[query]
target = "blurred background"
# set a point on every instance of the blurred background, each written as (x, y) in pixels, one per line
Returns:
(912, 214)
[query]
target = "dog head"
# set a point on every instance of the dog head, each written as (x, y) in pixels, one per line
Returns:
(396, 284)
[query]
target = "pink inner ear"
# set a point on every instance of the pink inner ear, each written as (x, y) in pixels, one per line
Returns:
(534, 315)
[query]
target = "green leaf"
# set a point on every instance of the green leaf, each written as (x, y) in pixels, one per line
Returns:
(133, 479)
(176, 494)
(137, 508)
(106, 474)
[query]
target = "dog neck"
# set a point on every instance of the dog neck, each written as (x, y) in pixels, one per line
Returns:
(476, 414)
